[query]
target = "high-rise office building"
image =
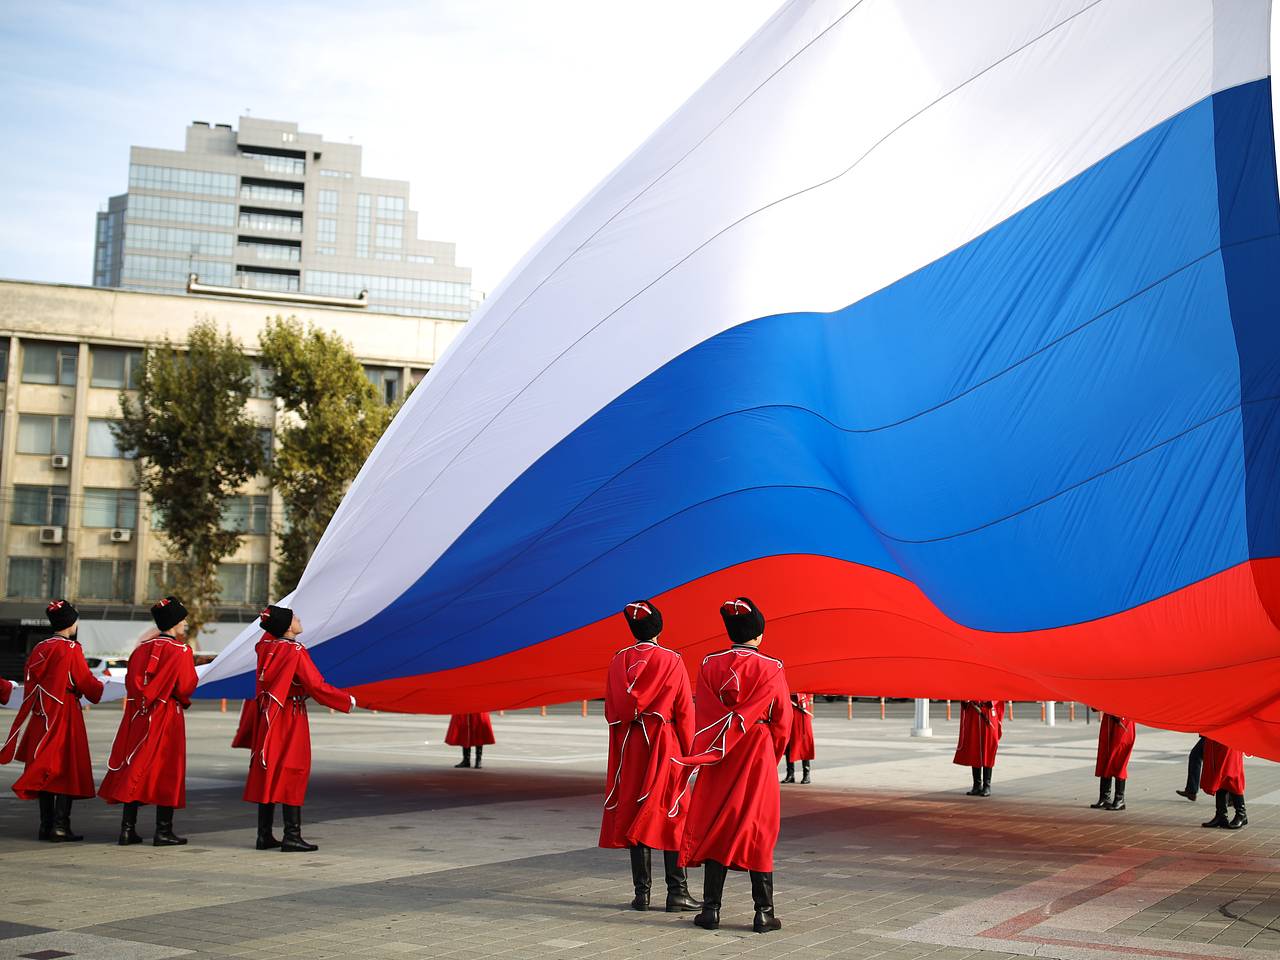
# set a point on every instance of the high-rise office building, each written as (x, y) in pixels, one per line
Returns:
(270, 209)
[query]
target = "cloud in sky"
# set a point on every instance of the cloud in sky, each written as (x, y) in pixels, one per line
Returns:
(500, 113)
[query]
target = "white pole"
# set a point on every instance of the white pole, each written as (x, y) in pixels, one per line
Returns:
(1049, 706)
(921, 726)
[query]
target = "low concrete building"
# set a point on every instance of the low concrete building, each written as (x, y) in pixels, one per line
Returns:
(73, 521)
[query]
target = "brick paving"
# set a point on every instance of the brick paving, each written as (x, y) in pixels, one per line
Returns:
(882, 857)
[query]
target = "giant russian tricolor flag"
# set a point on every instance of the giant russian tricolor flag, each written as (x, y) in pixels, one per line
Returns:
(948, 332)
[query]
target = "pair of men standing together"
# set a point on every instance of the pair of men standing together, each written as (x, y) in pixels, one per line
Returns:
(731, 735)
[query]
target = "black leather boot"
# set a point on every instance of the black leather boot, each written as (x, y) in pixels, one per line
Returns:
(1104, 794)
(129, 825)
(805, 765)
(293, 842)
(713, 875)
(678, 899)
(641, 875)
(165, 837)
(479, 754)
(977, 783)
(1240, 819)
(791, 773)
(466, 759)
(1219, 810)
(266, 819)
(986, 782)
(45, 799)
(61, 832)
(762, 896)
(1118, 802)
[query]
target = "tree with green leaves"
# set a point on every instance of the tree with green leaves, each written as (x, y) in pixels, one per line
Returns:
(196, 447)
(336, 417)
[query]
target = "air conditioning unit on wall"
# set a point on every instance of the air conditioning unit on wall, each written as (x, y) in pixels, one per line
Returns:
(121, 536)
(50, 534)
(60, 461)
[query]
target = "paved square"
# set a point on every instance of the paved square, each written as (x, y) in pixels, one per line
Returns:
(883, 856)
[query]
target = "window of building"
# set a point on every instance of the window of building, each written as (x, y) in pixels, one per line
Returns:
(274, 222)
(364, 217)
(37, 578)
(39, 506)
(328, 201)
(265, 280)
(389, 234)
(243, 583)
(106, 580)
(419, 258)
(110, 508)
(182, 181)
(386, 380)
(327, 230)
(49, 362)
(261, 380)
(143, 206)
(247, 514)
(160, 578)
(271, 192)
(390, 208)
(101, 440)
(294, 165)
(383, 255)
(327, 251)
(264, 250)
(173, 270)
(115, 368)
(199, 243)
(267, 439)
(4, 360)
(390, 289)
(43, 435)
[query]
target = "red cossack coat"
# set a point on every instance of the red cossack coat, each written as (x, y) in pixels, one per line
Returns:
(48, 733)
(650, 713)
(800, 746)
(469, 730)
(1223, 768)
(981, 726)
(6, 690)
(1115, 744)
(277, 725)
(148, 761)
(742, 716)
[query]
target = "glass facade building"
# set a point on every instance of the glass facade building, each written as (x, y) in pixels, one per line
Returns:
(254, 207)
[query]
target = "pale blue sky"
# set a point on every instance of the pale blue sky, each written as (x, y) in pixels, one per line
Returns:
(500, 113)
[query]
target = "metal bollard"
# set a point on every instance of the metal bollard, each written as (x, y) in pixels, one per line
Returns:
(948, 710)
(882, 708)
(1071, 711)
(584, 708)
(850, 708)
(544, 709)
(224, 704)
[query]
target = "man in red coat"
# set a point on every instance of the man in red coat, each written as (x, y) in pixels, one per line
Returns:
(743, 719)
(148, 761)
(54, 745)
(650, 715)
(981, 726)
(800, 746)
(278, 730)
(467, 730)
(1115, 744)
(1223, 776)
